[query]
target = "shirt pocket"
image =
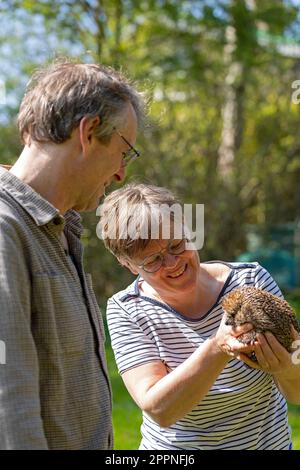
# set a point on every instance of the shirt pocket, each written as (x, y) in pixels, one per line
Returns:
(60, 318)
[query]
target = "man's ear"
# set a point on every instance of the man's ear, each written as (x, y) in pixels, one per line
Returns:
(87, 127)
(128, 265)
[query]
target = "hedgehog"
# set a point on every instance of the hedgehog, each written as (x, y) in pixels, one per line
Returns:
(265, 311)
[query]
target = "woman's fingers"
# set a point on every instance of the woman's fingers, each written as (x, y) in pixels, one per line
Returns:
(295, 334)
(236, 346)
(248, 361)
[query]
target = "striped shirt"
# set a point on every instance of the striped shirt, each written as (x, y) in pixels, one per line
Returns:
(243, 409)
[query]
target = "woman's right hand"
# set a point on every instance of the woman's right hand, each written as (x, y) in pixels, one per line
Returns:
(227, 338)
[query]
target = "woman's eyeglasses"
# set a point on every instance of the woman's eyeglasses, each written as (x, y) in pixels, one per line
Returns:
(154, 262)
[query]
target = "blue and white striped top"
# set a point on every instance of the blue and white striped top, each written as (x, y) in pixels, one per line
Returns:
(243, 410)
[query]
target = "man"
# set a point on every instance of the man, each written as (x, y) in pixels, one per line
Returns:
(78, 122)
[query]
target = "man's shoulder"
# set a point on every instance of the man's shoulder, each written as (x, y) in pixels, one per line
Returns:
(13, 223)
(9, 215)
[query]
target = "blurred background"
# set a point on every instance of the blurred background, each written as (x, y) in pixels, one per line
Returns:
(223, 81)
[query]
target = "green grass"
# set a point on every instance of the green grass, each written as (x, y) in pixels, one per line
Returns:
(127, 417)
(294, 420)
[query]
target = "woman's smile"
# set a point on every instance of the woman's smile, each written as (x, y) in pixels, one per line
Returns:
(178, 273)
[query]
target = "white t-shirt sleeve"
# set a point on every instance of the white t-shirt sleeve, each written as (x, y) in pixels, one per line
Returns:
(131, 345)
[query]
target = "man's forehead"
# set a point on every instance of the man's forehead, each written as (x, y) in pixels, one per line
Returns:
(130, 122)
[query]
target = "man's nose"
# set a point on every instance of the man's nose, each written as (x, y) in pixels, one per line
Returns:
(120, 175)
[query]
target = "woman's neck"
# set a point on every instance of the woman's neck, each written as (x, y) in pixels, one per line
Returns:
(201, 298)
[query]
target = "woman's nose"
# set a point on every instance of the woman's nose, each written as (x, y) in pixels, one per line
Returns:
(169, 259)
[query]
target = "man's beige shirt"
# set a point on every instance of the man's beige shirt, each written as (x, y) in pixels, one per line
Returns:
(54, 387)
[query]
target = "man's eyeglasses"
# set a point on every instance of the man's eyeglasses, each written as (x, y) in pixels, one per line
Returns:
(154, 262)
(131, 154)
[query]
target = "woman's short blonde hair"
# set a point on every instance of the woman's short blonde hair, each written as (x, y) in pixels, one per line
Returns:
(135, 214)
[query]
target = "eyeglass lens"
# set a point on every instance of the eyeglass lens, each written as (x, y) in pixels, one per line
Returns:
(155, 262)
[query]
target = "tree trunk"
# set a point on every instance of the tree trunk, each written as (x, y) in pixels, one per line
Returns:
(232, 130)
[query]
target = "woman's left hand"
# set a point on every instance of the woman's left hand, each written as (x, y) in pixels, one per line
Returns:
(272, 357)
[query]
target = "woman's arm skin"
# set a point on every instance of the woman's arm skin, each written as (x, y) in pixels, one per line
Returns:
(274, 359)
(166, 398)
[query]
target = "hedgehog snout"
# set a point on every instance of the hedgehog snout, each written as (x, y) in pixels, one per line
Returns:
(229, 321)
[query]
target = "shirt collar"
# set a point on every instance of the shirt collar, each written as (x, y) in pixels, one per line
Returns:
(41, 210)
(73, 221)
(131, 291)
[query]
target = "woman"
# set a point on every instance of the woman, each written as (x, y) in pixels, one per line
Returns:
(181, 363)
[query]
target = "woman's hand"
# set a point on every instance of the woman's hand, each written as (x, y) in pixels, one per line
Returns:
(272, 357)
(227, 339)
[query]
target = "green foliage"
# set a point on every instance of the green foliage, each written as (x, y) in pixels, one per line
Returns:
(175, 50)
(10, 145)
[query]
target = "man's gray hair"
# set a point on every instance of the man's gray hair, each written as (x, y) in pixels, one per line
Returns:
(59, 96)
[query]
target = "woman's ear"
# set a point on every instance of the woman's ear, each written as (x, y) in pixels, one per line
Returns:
(128, 265)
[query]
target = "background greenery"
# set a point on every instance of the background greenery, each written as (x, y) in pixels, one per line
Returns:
(222, 127)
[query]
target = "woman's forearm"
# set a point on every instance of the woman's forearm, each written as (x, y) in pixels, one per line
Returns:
(176, 394)
(290, 386)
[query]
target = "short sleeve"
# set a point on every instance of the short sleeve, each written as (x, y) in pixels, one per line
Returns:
(263, 280)
(131, 345)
